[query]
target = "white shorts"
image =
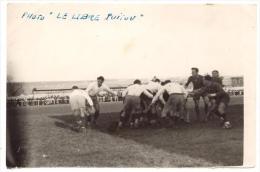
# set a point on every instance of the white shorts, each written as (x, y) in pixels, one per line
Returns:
(77, 102)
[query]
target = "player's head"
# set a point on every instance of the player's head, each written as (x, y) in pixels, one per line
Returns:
(157, 80)
(137, 81)
(154, 78)
(207, 80)
(215, 74)
(100, 80)
(74, 87)
(166, 82)
(162, 83)
(194, 71)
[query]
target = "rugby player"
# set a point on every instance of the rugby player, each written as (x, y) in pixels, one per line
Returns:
(175, 102)
(93, 90)
(197, 81)
(78, 107)
(215, 90)
(212, 101)
(149, 114)
(132, 103)
(216, 77)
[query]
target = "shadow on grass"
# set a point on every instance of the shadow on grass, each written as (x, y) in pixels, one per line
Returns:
(15, 139)
(199, 140)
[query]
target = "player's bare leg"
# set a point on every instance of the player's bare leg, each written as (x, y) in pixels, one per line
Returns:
(212, 106)
(121, 119)
(82, 120)
(197, 109)
(206, 102)
(77, 120)
(163, 118)
(87, 119)
(186, 113)
(221, 112)
(173, 118)
(132, 117)
(95, 115)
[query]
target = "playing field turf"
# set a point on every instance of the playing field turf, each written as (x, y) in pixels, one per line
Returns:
(39, 138)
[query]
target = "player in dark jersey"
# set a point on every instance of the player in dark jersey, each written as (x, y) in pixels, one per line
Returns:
(214, 89)
(216, 77)
(212, 101)
(197, 81)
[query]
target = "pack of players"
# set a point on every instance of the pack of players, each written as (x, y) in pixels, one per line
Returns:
(158, 104)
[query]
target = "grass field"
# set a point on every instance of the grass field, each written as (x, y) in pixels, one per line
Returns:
(39, 138)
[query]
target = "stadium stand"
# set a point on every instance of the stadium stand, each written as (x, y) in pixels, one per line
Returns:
(42, 97)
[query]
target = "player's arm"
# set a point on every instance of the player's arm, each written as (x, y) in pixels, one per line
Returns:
(219, 90)
(156, 97)
(108, 90)
(200, 91)
(89, 100)
(184, 91)
(148, 94)
(162, 99)
(188, 82)
(124, 93)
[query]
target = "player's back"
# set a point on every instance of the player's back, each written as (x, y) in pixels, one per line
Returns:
(174, 87)
(135, 90)
(153, 86)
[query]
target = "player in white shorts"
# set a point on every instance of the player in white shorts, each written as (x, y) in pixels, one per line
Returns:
(149, 114)
(78, 100)
(175, 102)
(93, 91)
(132, 103)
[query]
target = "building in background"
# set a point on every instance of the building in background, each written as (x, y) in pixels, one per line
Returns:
(237, 81)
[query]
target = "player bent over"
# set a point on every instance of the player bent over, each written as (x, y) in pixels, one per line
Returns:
(215, 90)
(132, 104)
(81, 114)
(149, 114)
(175, 102)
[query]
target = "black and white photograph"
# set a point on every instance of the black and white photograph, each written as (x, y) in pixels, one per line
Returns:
(130, 85)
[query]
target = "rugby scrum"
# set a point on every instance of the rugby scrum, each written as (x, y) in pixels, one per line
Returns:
(156, 103)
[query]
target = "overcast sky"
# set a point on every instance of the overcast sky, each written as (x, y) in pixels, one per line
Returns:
(163, 40)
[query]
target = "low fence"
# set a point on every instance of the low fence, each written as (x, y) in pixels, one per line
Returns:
(54, 99)
(235, 92)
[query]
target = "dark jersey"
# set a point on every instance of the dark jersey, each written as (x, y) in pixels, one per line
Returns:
(217, 80)
(197, 82)
(214, 88)
(166, 96)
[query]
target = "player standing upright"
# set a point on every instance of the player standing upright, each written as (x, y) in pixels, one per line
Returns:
(212, 101)
(93, 90)
(216, 77)
(197, 81)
